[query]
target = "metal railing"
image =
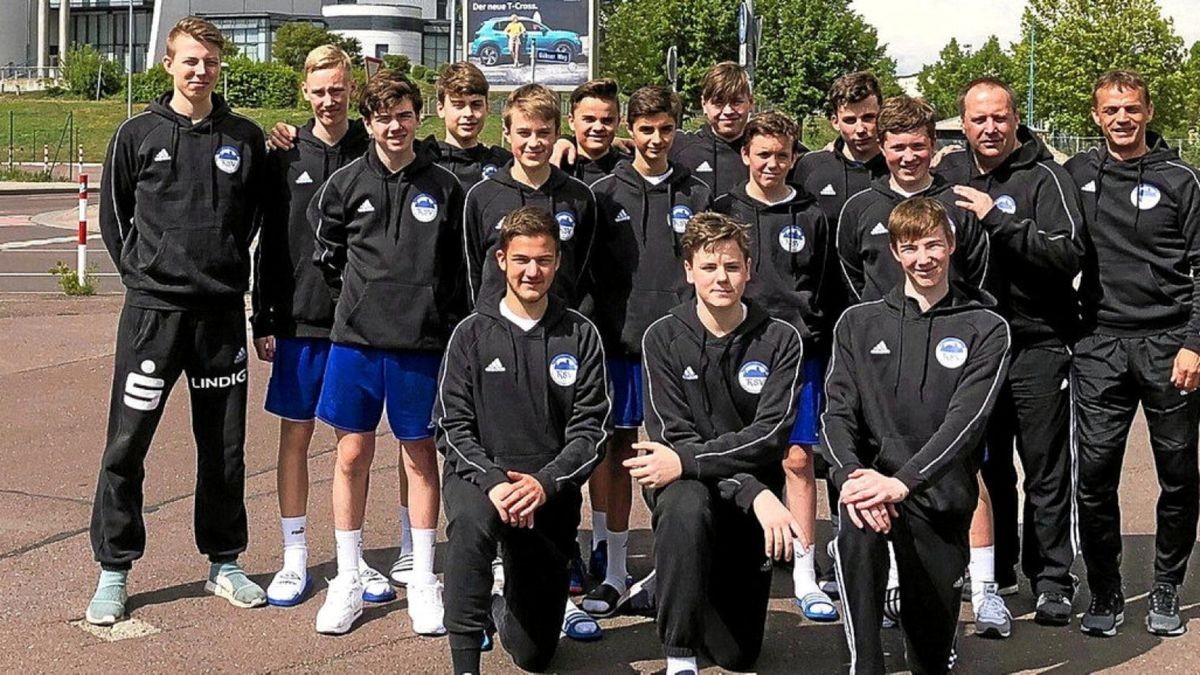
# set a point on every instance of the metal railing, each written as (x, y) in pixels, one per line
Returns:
(1189, 147)
(11, 72)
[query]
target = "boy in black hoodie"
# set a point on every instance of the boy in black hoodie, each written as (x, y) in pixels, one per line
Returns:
(531, 121)
(1141, 344)
(638, 276)
(462, 103)
(721, 378)
(595, 116)
(522, 413)
(181, 189)
(912, 379)
(793, 255)
(389, 242)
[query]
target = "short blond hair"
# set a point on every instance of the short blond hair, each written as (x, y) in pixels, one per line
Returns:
(533, 100)
(199, 30)
(917, 218)
(326, 57)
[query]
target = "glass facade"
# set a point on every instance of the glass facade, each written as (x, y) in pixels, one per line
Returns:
(251, 34)
(108, 33)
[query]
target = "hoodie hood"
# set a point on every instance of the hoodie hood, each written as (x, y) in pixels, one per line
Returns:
(469, 165)
(883, 185)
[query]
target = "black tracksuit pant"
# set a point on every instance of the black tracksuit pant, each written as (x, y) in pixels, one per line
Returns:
(713, 577)
(536, 568)
(1112, 376)
(153, 348)
(1033, 411)
(931, 554)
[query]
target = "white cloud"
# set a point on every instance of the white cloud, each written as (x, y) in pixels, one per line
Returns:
(915, 36)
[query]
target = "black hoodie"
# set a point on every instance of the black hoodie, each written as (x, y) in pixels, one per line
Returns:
(863, 242)
(1036, 232)
(591, 170)
(469, 165)
(180, 204)
(530, 401)
(290, 296)
(489, 202)
(711, 158)
(390, 247)
(909, 393)
(637, 267)
(726, 404)
(832, 178)
(1143, 219)
(792, 273)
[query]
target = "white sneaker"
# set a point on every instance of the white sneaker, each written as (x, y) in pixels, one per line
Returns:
(288, 588)
(376, 587)
(402, 569)
(343, 605)
(425, 608)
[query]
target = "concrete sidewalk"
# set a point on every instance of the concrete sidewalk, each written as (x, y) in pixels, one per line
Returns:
(48, 188)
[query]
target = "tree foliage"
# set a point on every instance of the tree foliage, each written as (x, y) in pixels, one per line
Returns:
(957, 65)
(295, 39)
(83, 65)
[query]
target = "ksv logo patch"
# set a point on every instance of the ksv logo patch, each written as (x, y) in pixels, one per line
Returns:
(680, 215)
(563, 370)
(1006, 204)
(227, 159)
(951, 352)
(489, 170)
(143, 392)
(1145, 196)
(566, 226)
(752, 376)
(791, 239)
(424, 208)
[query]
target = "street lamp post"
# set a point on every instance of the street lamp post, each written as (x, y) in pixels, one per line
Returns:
(128, 65)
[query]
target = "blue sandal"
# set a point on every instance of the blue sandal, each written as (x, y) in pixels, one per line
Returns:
(817, 606)
(580, 626)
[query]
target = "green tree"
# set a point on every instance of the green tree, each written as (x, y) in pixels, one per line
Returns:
(295, 39)
(83, 65)
(940, 82)
(1191, 79)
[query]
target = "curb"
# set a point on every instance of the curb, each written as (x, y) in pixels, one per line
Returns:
(37, 189)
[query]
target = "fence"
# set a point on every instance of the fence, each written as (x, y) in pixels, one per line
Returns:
(34, 142)
(1189, 148)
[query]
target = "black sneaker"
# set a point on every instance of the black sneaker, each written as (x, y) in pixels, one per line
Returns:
(1106, 612)
(1163, 617)
(1053, 609)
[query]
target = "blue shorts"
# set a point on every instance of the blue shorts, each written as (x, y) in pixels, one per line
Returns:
(810, 403)
(296, 376)
(626, 375)
(359, 380)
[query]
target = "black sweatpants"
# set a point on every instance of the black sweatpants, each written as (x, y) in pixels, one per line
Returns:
(931, 554)
(1033, 411)
(1112, 376)
(536, 568)
(153, 348)
(713, 576)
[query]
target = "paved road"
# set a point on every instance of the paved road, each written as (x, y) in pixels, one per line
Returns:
(28, 250)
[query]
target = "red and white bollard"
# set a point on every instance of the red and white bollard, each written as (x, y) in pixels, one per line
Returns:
(81, 255)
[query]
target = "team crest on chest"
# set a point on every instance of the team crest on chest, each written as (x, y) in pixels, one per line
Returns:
(752, 376)
(791, 239)
(564, 368)
(227, 159)
(1145, 196)
(680, 215)
(566, 224)
(951, 352)
(424, 208)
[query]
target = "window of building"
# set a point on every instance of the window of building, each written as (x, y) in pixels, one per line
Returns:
(252, 35)
(435, 50)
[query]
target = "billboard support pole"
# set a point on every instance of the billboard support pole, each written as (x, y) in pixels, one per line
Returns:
(452, 6)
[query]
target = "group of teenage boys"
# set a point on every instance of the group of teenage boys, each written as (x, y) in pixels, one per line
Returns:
(525, 321)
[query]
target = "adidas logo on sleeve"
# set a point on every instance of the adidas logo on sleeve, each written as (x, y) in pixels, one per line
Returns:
(689, 374)
(879, 228)
(1090, 187)
(366, 207)
(622, 217)
(304, 179)
(828, 191)
(495, 366)
(881, 349)
(162, 156)
(704, 167)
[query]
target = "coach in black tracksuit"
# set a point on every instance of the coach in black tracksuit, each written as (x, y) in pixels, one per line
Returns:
(1036, 234)
(725, 406)
(568, 199)
(533, 401)
(1142, 307)
(469, 165)
(908, 395)
(179, 207)
(862, 239)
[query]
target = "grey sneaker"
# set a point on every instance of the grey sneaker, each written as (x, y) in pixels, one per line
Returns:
(1163, 618)
(992, 620)
(108, 603)
(1053, 609)
(227, 580)
(1105, 613)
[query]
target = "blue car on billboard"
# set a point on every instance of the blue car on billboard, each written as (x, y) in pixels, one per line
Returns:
(490, 45)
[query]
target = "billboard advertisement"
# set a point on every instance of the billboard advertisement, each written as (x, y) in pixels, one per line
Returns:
(521, 41)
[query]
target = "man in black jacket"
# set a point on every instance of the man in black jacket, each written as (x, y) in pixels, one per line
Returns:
(389, 243)
(1141, 344)
(911, 382)
(180, 190)
(721, 378)
(1029, 207)
(522, 415)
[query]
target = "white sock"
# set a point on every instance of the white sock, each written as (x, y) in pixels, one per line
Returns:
(349, 550)
(618, 542)
(599, 528)
(423, 542)
(406, 545)
(295, 545)
(893, 573)
(681, 664)
(983, 571)
(804, 573)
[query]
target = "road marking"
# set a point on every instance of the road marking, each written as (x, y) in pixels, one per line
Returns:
(29, 243)
(48, 274)
(123, 630)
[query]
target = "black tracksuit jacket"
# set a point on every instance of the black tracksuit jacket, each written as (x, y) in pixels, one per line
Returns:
(469, 165)
(724, 405)
(534, 402)
(489, 202)
(909, 393)
(832, 178)
(794, 273)
(710, 158)
(863, 241)
(290, 296)
(591, 170)
(390, 247)
(180, 205)
(1139, 280)
(637, 267)
(1037, 239)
